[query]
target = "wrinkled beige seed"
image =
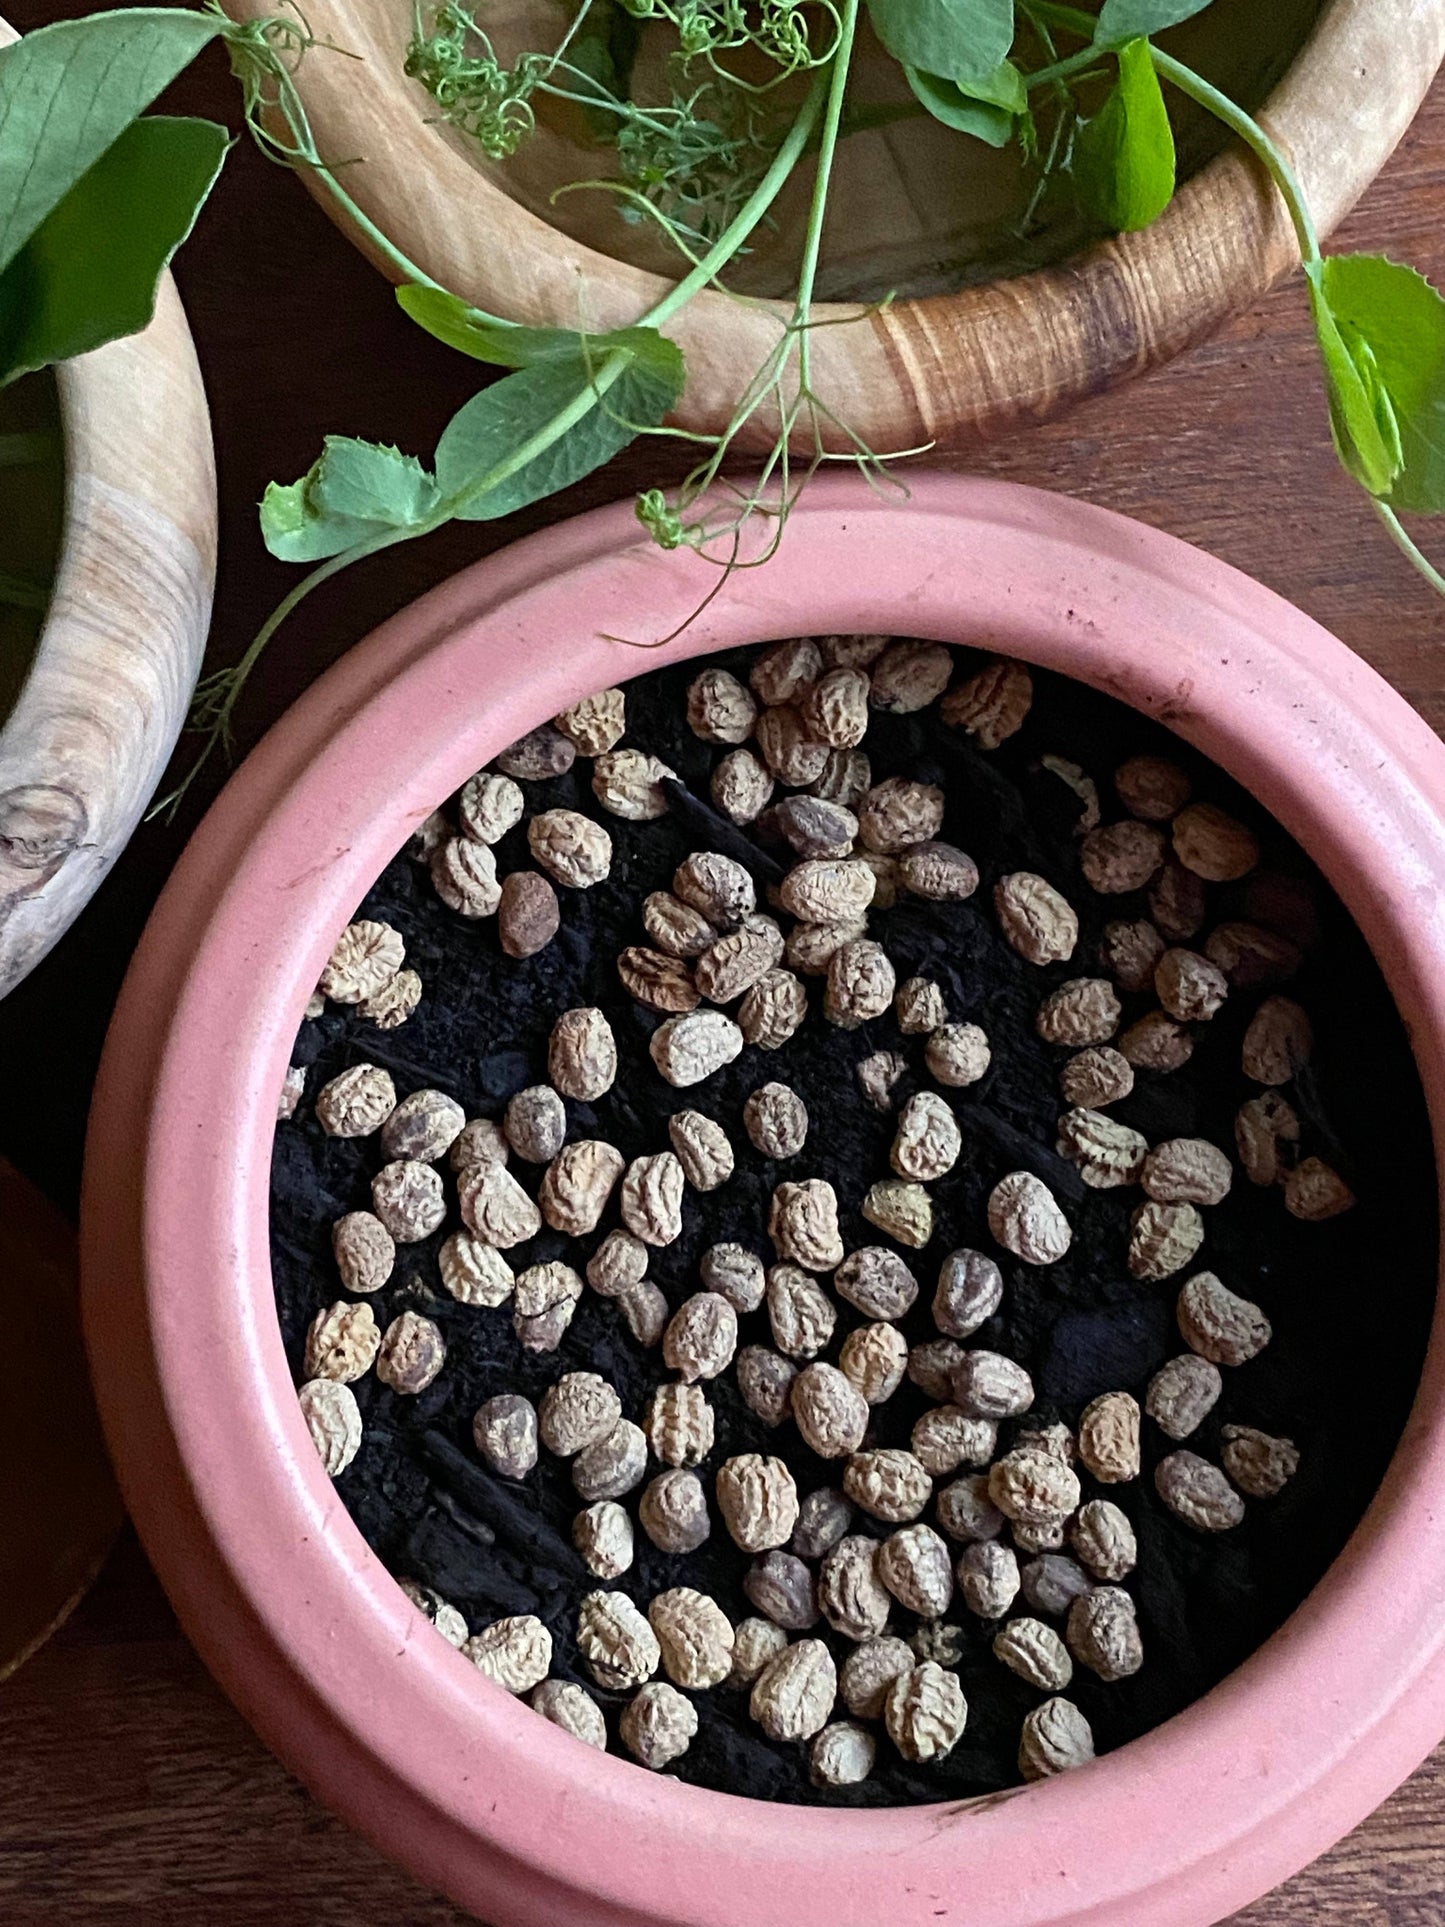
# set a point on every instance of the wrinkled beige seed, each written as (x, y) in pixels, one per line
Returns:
(673, 1511)
(293, 1089)
(851, 1595)
(1163, 1238)
(970, 1291)
(391, 1006)
(1103, 1540)
(543, 1301)
(1187, 1170)
(827, 890)
(1119, 857)
(869, 1670)
(1156, 1042)
(811, 947)
(675, 927)
(830, 1413)
(876, 1282)
(690, 1048)
(425, 839)
(1189, 986)
(758, 1501)
(1096, 1078)
(823, 1518)
(719, 708)
(874, 1359)
(915, 1566)
(480, 1141)
(702, 1149)
(1182, 1394)
(1036, 921)
(618, 1263)
(1219, 1325)
(515, 1653)
(842, 1755)
(1082, 1011)
(619, 1646)
(888, 1484)
(464, 876)
(579, 1410)
(1258, 1463)
(701, 1337)
(409, 1200)
(1036, 1653)
(489, 805)
(783, 1589)
(1198, 1492)
(573, 1709)
(776, 1119)
(602, 1533)
(901, 1208)
(1083, 786)
(718, 888)
(736, 962)
(536, 1124)
(898, 813)
(596, 723)
(919, 1007)
(800, 1312)
(364, 1250)
(1177, 902)
(1052, 1582)
(571, 848)
(860, 985)
(786, 671)
(679, 1425)
(741, 786)
(736, 1273)
(614, 1466)
(1213, 844)
(582, 1054)
(1151, 788)
(1109, 1437)
(442, 1614)
(938, 872)
(411, 1354)
(1103, 1633)
(765, 1381)
(1261, 1126)
(473, 1272)
(1315, 1191)
(925, 1712)
(928, 1141)
(366, 956)
(816, 827)
(957, 1054)
(333, 1418)
(992, 705)
(577, 1184)
(803, 1224)
(423, 1126)
(793, 756)
(628, 783)
(504, 1431)
(496, 1207)
(965, 1511)
(1056, 1439)
(644, 1309)
(989, 1385)
(879, 1076)
(756, 1643)
(772, 1009)
(656, 980)
(1033, 1487)
(946, 1437)
(1056, 1738)
(846, 778)
(1107, 1152)
(651, 1198)
(1252, 957)
(1130, 952)
(851, 652)
(695, 1637)
(356, 1103)
(795, 1692)
(541, 753)
(908, 676)
(1025, 1218)
(835, 710)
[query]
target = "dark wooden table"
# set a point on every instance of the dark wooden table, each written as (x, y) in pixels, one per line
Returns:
(130, 1791)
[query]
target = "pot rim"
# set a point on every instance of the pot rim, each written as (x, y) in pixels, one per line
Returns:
(300, 1621)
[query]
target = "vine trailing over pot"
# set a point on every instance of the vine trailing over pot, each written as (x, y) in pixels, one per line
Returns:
(95, 195)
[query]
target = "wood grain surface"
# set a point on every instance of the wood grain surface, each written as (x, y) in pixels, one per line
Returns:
(130, 1793)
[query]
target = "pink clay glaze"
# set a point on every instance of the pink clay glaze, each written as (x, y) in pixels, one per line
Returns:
(304, 1627)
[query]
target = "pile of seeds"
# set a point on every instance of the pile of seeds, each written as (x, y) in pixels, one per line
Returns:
(864, 1222)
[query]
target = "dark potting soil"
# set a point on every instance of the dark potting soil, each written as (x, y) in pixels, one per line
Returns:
(1349, 1300)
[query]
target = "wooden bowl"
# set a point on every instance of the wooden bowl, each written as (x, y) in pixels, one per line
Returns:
(941, 368)
(106, 693)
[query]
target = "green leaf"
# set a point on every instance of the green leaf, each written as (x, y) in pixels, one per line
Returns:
(1123, 160)
(353, 491)
(1121, 20)
(965, 109)
(68, 91)
(1389, 323)
(508, 345)
(492, 428)
(88, 274)
(962, 40)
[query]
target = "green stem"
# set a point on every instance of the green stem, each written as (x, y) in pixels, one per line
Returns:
(827, 149)
(1069, 19)
(1254, 137)
(1404, 542)
(1061, 70)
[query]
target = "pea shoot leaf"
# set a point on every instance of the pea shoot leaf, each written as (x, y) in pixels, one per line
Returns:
(960, 40)
(1381, 329)
(88, 273)
(353, 491)
(989, 109)
(1122, 20)
(68, 91)
(1123, 159)
(508, 345)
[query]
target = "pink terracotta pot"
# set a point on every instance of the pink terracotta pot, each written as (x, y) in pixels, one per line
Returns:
(299, 1621)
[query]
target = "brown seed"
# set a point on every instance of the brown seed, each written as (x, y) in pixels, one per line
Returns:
(628, 783)
(719, 709)
(1103, 1633)
(1252, 957)
(1260, 1465)
(1182, 1394)
(1084, 1011)
(543, 752)
(1119, 857)
(657, 980)
(908, 676)
(571, 848)
(970, 1291)
(938, 872)
(898, 813)
(1177, 902)
(741, 786)
(835, 709)
(1109, 1438)
(1093, 1079)
(1213, 844)
(1129, 951)
(1220, 1325)
(1278, 1043)
(1163, 1238)
(1151, 788)
(1156, 1043)
(1103, 1538)
(1187, 1170)
(488, 807)
(1189, 986)
(412, 1352)
(1315, 1191)
(1038, 923)
(873, 1359)
(793, 756)
(1198, 1493)
(765, 1380)
(596, 723)
(992, 705)
(1056, 1738)
(773, 1009)
(464, 876)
